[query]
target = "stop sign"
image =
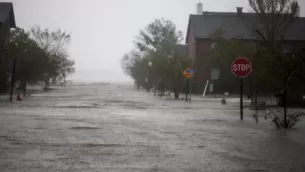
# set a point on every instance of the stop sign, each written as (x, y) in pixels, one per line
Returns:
(241, 67)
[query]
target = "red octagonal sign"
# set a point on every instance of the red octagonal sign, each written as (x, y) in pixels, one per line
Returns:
(241, 67)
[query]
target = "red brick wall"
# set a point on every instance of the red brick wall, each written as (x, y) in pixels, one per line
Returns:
(191, 45)
(202, 64)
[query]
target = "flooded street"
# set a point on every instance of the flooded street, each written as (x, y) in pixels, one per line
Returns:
(116, 128)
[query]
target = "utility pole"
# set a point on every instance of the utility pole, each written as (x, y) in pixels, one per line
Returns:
(284, 103)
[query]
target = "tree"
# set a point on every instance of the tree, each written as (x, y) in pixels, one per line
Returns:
(135, 66)
(66, 66)
(31, 59)
(275, 17)
(174, 72)
(156, 43)
(160, 36)
(53, 43)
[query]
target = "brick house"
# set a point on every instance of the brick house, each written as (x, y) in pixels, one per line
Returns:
(7, 21)
(202, 25)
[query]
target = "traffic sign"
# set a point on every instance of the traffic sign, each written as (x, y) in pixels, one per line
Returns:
(188, 73)
(241, 67)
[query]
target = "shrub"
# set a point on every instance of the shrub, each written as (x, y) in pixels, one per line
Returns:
(277, 117)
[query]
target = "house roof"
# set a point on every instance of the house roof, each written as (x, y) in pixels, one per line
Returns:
(235, 26)
(181, 50)
(7, 12)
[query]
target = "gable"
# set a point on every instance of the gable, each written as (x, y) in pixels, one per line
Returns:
(7, 14)
(188, 32)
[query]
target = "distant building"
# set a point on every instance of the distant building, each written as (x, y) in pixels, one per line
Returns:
(201, 26)
(7, 21)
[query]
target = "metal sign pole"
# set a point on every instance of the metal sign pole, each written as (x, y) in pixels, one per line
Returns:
(241, 99)
(190, 90)
(241, 67)
(189, 73)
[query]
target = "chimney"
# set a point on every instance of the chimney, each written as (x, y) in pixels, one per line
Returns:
(239, 10)
(199, 8)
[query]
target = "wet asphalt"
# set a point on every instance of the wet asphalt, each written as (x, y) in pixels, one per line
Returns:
(115, 128)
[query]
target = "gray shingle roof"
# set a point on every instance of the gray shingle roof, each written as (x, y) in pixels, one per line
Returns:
(236, 27)
(7, 11)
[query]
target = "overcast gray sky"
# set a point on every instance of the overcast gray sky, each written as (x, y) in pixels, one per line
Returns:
(103, 30)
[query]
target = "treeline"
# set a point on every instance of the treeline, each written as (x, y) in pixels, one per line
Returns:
(154, 61)
(41, 57)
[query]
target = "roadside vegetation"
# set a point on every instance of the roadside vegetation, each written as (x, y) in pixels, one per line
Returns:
(41, 57)
(153, 62)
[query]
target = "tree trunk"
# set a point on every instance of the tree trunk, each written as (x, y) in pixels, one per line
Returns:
(162, 88)
(186, 97)
(138, 85)
(285, 104)
(176, 94)
(24, 88)
(46, 85)
(64, 80)
(2, 82)
(255, 96)
(147, 87)
(254, 99)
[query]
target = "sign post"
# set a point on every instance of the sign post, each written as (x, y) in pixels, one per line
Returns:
(241, 67)
(190, 90)
(189, 73)
(241, 99)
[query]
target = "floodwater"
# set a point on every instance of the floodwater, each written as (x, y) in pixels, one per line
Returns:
(116, 128)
